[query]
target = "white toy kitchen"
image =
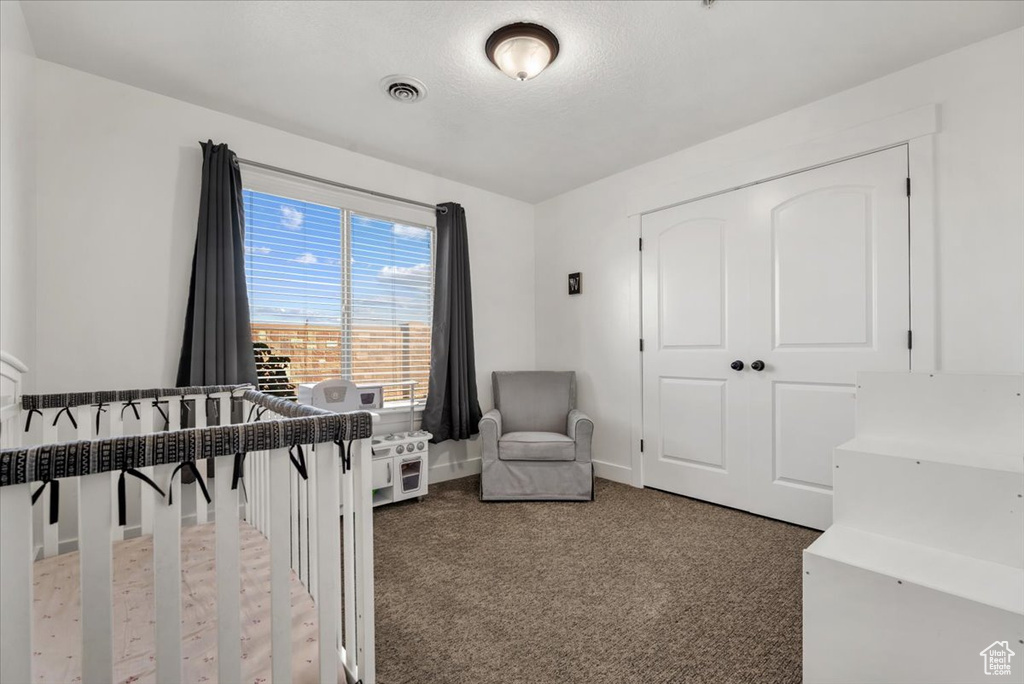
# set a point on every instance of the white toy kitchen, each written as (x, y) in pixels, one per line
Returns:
(399, 458)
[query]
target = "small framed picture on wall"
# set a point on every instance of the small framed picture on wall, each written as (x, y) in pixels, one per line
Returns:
(575, 283)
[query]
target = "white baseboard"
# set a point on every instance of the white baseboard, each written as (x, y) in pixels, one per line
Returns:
(454, 470)
(613, 472)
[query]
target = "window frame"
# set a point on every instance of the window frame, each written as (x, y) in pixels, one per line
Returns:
(348, 203)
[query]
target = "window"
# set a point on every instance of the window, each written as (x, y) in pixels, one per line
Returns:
(336, 292)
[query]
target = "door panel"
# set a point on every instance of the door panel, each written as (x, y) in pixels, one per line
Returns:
(822, 269)
(808, 418)
(694, 309)
(808, 274)
(693, 420)
(691, 285)
(830, 297)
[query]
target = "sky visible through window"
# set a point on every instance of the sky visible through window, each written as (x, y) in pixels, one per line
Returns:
(294, 253)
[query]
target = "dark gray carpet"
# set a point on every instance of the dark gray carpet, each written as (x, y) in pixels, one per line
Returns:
(638, 586)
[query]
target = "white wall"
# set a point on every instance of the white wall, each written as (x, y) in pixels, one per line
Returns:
(118, 195)
(979, 155)
(17, 187)
(118, 174)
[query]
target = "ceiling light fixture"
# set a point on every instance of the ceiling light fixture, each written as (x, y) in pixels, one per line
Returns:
(521, 50)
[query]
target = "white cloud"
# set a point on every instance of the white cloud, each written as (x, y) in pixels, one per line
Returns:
(306, 258)
(410, 232)
(405, 273)
(291, 218)
(257, 250)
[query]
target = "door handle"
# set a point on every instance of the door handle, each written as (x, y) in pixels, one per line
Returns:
(758, 365)
(389, 472)
(736, 365)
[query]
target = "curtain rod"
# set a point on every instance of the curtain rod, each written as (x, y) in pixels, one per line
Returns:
(343, 186)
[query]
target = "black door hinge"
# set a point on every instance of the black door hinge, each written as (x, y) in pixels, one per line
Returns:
(910, 339)
(641, 344)
(641, 446)
(641, 244)
(908, 186)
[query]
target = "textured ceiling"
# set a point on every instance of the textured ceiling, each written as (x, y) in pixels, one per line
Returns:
(634, 81)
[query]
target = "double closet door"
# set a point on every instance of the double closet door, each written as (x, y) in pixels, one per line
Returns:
(759, 308)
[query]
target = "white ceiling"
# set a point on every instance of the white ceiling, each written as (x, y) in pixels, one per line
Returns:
(634, 81)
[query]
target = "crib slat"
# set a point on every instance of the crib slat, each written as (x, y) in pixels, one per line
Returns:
(362, 466)
(328, 557)
(224, 410)
(86, 417)
(253, 480)
(280, 592)
(313, 519)
(349, 567)
(173, 413)
(256, 491)
(229, 628)
(300, 540)
(293, 517)
(202, 508)
(16, 584)
(50, 425)
(260, 493)
(167, 570)
(252, 487)
(51, 533)
(146, 503)
(72, 486)
(94, 525)
(116, 430)
(265, 493)
(248, 470)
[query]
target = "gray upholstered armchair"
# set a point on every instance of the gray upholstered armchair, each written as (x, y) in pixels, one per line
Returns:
(536, 444)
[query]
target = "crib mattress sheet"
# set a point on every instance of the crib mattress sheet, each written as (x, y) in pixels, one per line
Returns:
(57, 634)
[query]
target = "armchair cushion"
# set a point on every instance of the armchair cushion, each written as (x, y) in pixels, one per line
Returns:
(536, 446)
(534, 401)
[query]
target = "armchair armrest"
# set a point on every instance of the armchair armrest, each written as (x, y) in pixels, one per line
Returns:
(490, 433)
(580, 429)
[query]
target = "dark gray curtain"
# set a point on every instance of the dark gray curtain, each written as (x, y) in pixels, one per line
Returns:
(217, 345)
(452, 410)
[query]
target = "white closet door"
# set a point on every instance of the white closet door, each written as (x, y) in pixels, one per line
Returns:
(829, 297)
(805, 278)
(695, 282)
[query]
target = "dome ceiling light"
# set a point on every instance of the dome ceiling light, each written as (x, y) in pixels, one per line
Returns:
(521, 50)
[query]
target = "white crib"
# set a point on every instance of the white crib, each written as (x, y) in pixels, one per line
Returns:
(299, 475)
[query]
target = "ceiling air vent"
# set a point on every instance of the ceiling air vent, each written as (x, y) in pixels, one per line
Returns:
(403, 88)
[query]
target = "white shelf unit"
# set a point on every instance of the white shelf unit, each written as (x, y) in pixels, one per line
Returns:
(923, 567)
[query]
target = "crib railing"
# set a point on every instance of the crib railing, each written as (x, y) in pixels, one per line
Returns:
(299, 468)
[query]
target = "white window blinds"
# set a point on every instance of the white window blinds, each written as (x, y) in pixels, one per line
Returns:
(333, 292)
